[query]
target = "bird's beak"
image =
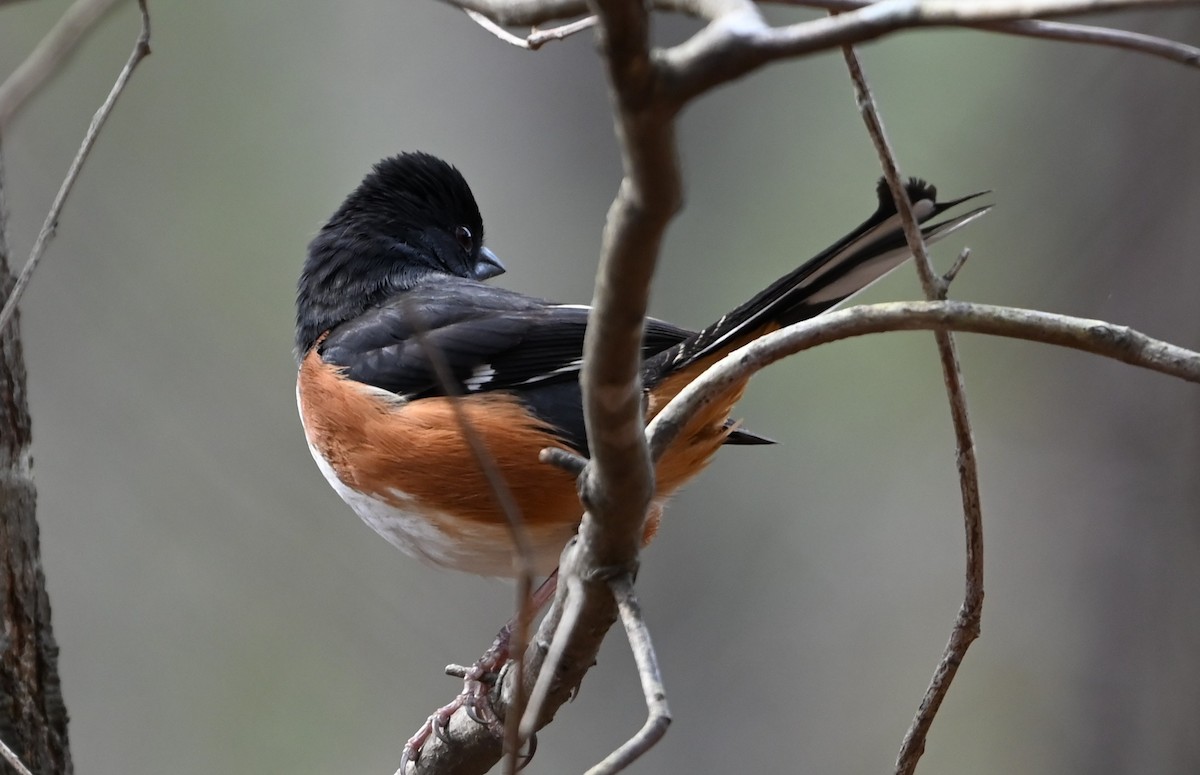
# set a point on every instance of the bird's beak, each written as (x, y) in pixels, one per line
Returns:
(488, 266)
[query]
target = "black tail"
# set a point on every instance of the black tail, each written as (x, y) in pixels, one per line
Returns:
(860, 258)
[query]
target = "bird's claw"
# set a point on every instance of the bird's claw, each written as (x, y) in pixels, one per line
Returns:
(474, 700)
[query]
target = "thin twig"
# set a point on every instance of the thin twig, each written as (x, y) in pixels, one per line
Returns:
(514, 12)
(50, 54)
(574, 590)
(733, 46)
(536, 38)
(1097, 337)
(966, 625)
(1099, 36)
(523, 559)
(141, 50)
(1067, 32)
(571, 462)
(11, 757)
(947, 279)
(658, 716)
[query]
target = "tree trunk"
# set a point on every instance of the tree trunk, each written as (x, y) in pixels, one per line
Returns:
(33, 718)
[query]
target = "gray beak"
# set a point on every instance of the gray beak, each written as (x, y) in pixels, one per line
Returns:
(488, 266)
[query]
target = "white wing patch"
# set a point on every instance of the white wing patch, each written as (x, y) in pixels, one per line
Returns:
(480, 376)
(574, 365)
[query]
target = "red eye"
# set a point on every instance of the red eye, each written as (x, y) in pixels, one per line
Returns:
(465, 241)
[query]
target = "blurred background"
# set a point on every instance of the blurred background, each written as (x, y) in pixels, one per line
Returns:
(220, 610)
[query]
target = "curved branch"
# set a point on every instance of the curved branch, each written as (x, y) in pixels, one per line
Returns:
(141, 49)
(48, 57)
(966, 626)
(735, 44)
(1066, 32)
(524, 12)
(617, 484)
(1098, 337)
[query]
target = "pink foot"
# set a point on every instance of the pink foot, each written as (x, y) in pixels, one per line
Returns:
(478, 680)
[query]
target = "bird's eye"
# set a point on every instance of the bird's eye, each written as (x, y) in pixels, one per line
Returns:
(465, 240)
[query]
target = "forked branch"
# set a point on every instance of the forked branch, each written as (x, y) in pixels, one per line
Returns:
(648, 87)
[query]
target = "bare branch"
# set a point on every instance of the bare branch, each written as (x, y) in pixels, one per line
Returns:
(618, 482)
(15, 761)
(1058, 31)
(648, 89)
(537, 38)
(738, 43)
(947, 279)
(523, 12)
(966, 625)
(1100, 36)
(50, 55)
(523, 559)
(1098, 337)
(562, 632)
(141, 50)
(659, 715)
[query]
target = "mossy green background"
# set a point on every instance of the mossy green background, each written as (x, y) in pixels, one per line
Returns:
(220, 610)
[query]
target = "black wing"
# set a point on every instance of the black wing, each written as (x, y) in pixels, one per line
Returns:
(489, 338)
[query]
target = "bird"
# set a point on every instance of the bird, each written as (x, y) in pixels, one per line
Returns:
(404, 351)
(398, 273)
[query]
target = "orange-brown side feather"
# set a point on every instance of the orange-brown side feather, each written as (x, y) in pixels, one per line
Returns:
(704, 432)
(417, 448)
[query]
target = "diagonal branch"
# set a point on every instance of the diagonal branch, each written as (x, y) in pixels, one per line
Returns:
(616, 486)
(141, 49)
(966, 624)
(13, 760)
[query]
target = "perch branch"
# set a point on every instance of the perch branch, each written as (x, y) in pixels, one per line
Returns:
(648, 88)
(141, 49)
(617, 483)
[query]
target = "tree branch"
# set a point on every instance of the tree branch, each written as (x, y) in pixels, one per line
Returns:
(1108, 340)
(648, 88)
(537, 38)
(1048, 30)
(966, 625)
(141, 49)
(511, 13)
(48, 57)
(14, 761)
(658, 715)
(737, 43)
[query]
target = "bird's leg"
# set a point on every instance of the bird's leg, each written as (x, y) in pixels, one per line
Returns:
(478, 680)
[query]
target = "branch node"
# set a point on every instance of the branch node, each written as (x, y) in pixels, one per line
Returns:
(571, 462)
(942, 286)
